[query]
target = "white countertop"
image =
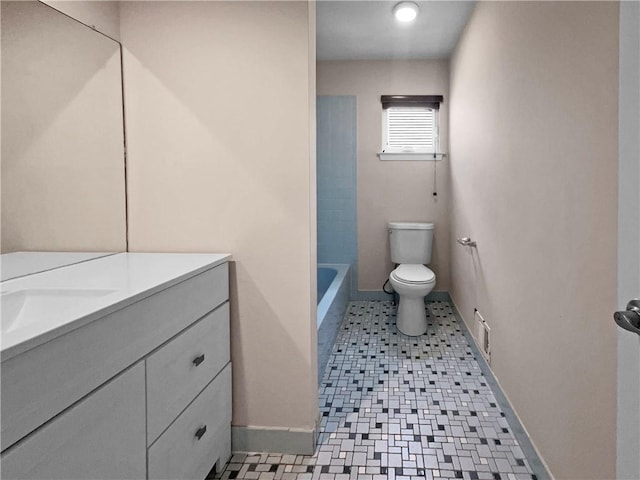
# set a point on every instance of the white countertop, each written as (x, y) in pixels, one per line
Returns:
(19, 264)
(69, 297)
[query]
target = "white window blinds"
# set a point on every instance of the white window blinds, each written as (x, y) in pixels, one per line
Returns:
(411, 129)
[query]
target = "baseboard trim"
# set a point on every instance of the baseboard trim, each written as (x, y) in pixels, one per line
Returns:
(273, 440)
(438, 297)
(366, 295)
(538, 465)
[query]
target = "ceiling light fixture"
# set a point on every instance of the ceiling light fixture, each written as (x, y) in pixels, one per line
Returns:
(405, 11)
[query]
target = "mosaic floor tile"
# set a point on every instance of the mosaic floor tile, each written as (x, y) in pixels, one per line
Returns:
(398, 407)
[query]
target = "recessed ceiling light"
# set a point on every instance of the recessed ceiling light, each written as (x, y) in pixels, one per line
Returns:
(406, 11)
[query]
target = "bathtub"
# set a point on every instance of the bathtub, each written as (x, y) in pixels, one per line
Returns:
(333, 297)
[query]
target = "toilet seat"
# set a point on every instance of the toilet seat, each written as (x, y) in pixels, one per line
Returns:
(413, 274)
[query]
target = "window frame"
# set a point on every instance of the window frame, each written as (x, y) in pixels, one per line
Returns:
(431, 102)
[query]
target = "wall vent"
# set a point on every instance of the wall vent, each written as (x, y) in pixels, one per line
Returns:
(484, 338)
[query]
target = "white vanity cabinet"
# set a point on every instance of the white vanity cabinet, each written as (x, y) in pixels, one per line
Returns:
(101, 437)
(141, 390)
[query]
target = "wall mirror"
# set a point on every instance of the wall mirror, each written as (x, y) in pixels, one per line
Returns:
(63, 166)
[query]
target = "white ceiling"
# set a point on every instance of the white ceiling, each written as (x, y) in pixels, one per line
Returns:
(367, 30)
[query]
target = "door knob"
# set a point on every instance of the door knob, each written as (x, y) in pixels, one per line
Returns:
(629, 319)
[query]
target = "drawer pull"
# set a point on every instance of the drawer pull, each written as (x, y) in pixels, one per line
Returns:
(201, 431)
(198, 360)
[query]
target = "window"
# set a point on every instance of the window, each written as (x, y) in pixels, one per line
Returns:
(410, 129)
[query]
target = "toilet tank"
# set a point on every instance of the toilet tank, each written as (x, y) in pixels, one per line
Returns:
(411, 242)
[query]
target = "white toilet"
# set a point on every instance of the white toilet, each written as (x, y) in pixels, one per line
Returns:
(411, 244)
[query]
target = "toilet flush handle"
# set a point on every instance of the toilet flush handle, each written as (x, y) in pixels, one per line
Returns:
(466, 242)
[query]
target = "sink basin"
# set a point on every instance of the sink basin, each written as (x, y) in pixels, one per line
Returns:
(22, 308)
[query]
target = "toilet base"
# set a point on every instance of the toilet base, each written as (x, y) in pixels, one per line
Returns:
(411, 318)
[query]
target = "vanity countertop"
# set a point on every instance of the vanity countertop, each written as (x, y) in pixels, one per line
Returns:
(40, 307)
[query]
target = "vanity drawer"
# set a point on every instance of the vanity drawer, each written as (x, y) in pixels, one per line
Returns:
(178, 453)
(43, 381)
(179, 370)
(102, 437)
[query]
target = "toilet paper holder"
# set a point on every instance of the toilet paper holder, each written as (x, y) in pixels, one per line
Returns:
(466, 242)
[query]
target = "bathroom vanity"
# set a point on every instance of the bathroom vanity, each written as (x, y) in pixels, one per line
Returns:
(117, 367)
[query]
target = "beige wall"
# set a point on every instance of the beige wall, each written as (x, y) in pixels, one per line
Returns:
(63, 143)
(219, 125)
(533, 180)
(392, 190)
(103, 15)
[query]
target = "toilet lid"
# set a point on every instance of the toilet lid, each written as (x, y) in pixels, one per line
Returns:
(412, 273)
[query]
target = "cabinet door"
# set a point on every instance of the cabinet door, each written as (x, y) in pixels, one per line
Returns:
(101, 437)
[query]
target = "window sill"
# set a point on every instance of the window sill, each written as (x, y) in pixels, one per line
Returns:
(411, 156)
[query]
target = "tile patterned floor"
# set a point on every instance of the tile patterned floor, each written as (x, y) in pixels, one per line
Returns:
(398, 407)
